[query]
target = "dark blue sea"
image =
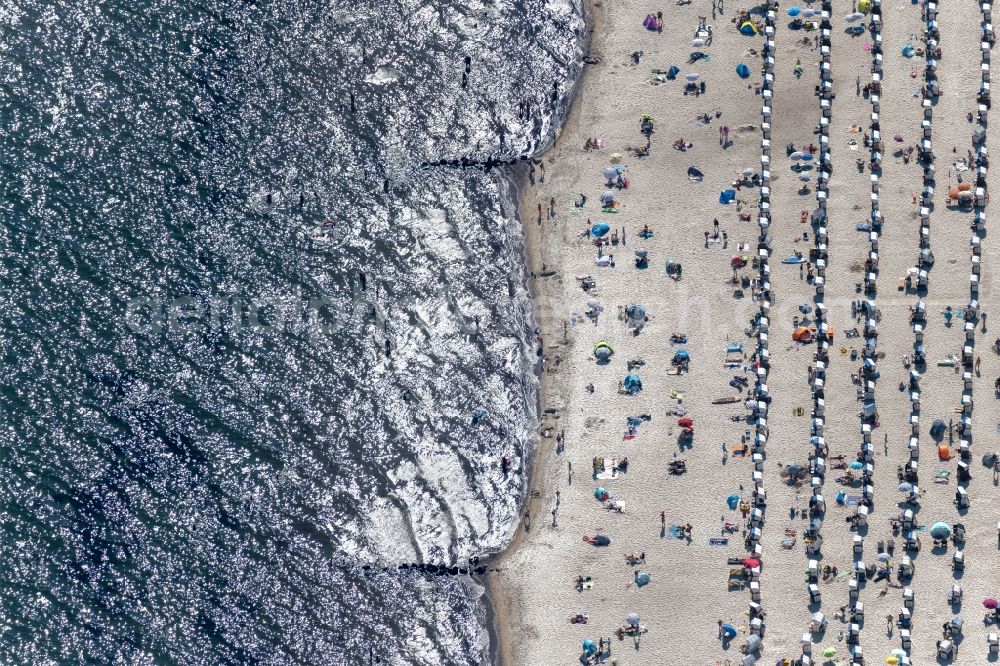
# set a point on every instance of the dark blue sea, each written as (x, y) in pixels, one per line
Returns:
(246, 330)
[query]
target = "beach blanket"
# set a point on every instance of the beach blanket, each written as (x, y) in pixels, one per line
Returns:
(852, 500)
(718, 541)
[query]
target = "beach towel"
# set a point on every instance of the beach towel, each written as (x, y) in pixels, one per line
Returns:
(718, 541)
(852, 500)
(676, 532)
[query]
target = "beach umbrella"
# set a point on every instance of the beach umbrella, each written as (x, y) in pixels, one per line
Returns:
(595, 305)
(990, 603)
(856, 464)
(749, 29)
(601, 493)
(632, 619)
(698, 41)
(802, 334)
(804, 177)
(864, 6)
(600, 229)
(807, 157)
(940, 530)
(898, 138)
(743, 71)
(682, 355)
(829, 652)
(884, 557)
(632, 383)
(808, 12)
(854, 17)
(603, 351)
(608, 197)
(616, 158)
(794, 11)
(692, 77)
(685, 422)
(611, 173)
(751, 562)
(635, 312)
(643, 579)
(892, 660)
(589, 646)
(797, 155)
(908, 50)
(905, 487)
(729, 630)
(732, 501)
(738, 261)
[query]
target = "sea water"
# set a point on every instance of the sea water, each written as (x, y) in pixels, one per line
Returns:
(244, 331)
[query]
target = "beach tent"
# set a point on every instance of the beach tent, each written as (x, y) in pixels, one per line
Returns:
(694, 175)
(733, 501)
(601, 494)
(727, 196)
(681, 355)
(794, 11)
(908, 51)
(649, 22)
(738, 261)
(673, 72)
(635, 312)
(940, 530)
(632, 383)
(743, 71)
(643, 579)
(856, 465)
(589, 646)
(749, 29)
(600, 229)
(803, 334)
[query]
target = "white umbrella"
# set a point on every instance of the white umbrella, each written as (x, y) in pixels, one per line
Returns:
(595, 305)
(808, 13)
(797, 155)
(698, 42)
(884, 557)
(805, 178)
(632, 619)
(693, 77)
(856, 16)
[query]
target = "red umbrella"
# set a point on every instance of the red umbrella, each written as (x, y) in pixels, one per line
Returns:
(751, 562)
(685, 422)
(990, 603)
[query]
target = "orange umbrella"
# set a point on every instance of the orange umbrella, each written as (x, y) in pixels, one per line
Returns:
(944, 453)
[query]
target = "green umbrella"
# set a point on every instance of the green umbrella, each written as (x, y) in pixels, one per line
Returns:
(829, 652)
(940, 530)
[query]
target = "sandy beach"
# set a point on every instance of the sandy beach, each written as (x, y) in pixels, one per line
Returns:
(683, 584)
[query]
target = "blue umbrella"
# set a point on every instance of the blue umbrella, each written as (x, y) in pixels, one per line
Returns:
(600, 229)
(589, 646)
(729, 631)
(633, 383)
(856, 464)
(682, 355)
(794, 11)
(940, 530)
(806, 157)
(743, 71)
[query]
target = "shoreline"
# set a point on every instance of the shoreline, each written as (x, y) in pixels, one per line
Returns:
(498, 602)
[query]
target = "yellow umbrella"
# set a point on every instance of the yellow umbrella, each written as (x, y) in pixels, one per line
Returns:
(892, 660)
